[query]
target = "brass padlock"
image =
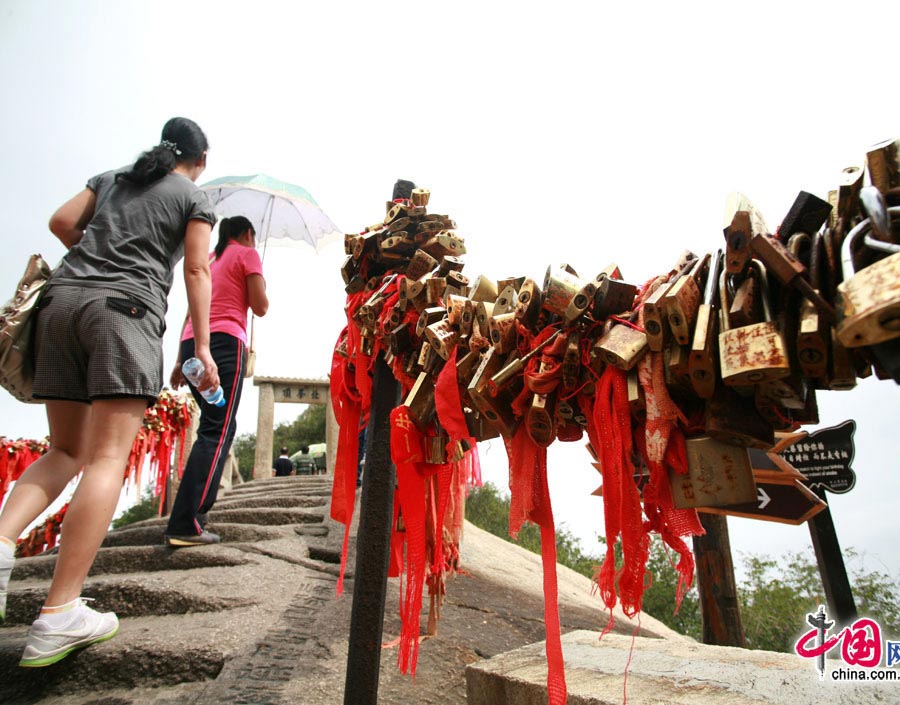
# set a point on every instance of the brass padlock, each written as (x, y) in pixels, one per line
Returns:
(841, 366)
(676, 367)
(702, 363)
(400, 340)
(484, 310)
(743, 309)
(755, 353)
(844, 199)
(883, 164)
(503, 332)
(742, 222)
(420, 401)
(483, 289)
(869, 300)
(420, 196)
(457, 283)
(506, 301)
(442, 338)
(718, 474)
(540, 419)
(428, 316)
(450, 264)
(653, 313)
(622, 346)
(682, 300)
(497, 409)
(561, 285)
(571, 362)
(445, 243)
(420, 264)
(528, 304)
(613, 297)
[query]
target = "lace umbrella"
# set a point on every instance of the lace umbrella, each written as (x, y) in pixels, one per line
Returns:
(281, 212)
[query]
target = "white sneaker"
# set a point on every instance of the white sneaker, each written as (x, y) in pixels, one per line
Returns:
(86, 627)
(6, 566)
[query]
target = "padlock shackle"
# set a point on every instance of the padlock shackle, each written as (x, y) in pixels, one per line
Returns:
(764, 289)
(847, 266)
(873, 203)
(712, 278)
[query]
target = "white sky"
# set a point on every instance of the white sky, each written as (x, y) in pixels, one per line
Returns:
(552, 132)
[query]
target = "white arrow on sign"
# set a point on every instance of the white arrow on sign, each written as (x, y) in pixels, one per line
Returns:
(763, 497)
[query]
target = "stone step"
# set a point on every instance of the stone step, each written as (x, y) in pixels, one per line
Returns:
(270, 501)
(153, 535)
(264, 517)
(129, 597)
(137, 559)
(147, 652)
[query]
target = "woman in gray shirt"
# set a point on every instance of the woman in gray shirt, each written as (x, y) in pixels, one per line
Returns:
(98, 361)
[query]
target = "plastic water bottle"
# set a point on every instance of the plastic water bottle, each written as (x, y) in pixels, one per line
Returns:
(193, 370)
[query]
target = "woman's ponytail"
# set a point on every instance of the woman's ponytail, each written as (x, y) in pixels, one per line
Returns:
(182, 141)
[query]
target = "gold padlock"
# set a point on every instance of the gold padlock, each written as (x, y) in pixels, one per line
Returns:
(682, 300)
(622, 346)
(755, 353)
(497, 409)
(420, 264)
(503, 332)
(742, 222)
(653, 313)
(528, 304)
(561, 285)
(883, 164)
(844, 199)
(483, 289)
(420, 401)
(420, 196)
(718, 474)
(442, 338)
(869, 300)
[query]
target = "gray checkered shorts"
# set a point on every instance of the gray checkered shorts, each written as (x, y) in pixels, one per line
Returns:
(93, 343)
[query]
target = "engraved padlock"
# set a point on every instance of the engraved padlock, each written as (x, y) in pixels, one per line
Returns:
(742, 222)
(755, 353)
(528, 304)
(718, 474)
(868, 300)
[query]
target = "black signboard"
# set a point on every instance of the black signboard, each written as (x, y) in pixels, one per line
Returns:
(786, 503)
(824, 457)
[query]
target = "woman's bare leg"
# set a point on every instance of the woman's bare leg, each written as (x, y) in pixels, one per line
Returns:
(47, 477)
(111, 429)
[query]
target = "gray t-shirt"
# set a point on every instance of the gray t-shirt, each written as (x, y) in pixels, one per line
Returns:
(135, 237)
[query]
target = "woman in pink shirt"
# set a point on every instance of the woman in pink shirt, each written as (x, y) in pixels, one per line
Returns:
(237, 284)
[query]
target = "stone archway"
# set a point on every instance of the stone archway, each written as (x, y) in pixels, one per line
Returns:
(289, 390)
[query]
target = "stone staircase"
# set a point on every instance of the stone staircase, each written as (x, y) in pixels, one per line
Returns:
(187, 612)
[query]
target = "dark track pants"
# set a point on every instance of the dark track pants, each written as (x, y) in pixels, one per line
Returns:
(203, 469)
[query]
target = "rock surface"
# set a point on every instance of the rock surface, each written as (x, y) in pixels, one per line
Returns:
(256, 620)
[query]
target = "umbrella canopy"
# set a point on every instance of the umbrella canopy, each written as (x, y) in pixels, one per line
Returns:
(280, 211)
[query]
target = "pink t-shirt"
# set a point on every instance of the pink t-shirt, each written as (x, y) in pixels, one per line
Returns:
(228, 308)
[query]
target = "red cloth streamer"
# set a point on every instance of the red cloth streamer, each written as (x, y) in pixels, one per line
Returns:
(347, 405)
(609, 428)
(662, 446)
(530, 499)
(407, 454)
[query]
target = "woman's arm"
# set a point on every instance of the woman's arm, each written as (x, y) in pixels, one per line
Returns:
(256, 294)
(72, 217)
(198, 282)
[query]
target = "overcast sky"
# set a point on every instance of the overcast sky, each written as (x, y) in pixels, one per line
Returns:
(551, 132)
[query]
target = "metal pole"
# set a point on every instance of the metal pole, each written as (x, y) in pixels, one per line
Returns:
(373, 545)
(838, 593)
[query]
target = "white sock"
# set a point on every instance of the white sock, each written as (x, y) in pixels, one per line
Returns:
(59, 616)
(7, 558)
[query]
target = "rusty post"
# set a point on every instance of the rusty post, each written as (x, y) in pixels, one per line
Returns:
(373, 544)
